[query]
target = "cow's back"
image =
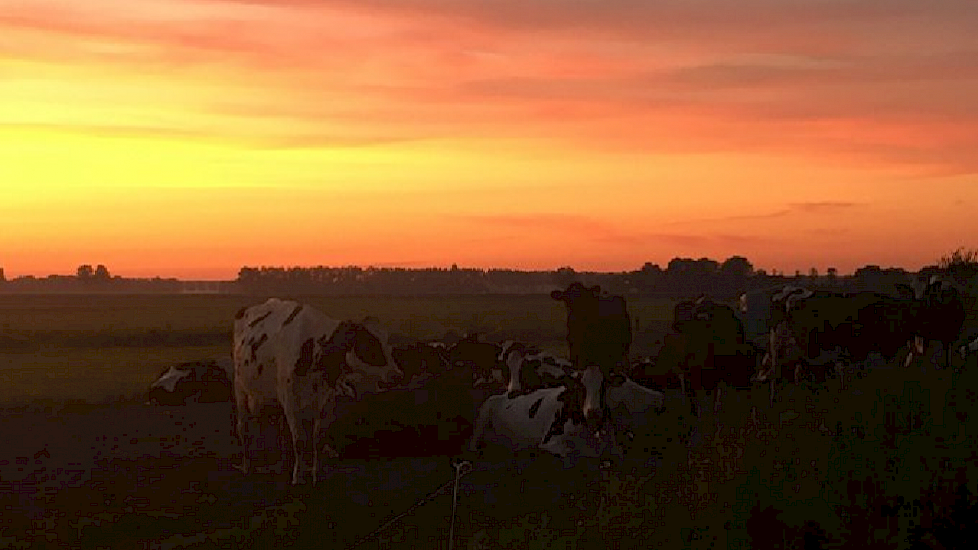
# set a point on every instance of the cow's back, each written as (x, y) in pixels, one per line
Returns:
(268, 340)
(297, 375)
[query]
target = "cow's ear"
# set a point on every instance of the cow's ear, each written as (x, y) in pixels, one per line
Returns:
(369, 348)
(373, 324)
(342, 339)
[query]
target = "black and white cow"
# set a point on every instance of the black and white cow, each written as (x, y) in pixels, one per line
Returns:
(564, 421)
(633, 412)
(294, 354)
(206, 381)
(529, 369)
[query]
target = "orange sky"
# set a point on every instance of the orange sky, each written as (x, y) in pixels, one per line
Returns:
(190, 138)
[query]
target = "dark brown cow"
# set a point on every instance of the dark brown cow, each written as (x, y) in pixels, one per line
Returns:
(810, 326)
(599, 329)
(708, 348)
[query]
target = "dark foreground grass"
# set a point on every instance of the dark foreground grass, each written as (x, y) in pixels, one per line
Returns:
(889, 463)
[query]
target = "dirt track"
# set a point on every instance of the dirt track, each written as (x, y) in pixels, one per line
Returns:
(137, 476)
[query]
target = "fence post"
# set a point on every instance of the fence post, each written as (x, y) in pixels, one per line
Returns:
(459, 466)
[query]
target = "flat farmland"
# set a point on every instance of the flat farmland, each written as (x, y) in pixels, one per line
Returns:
(86, 465)
(98, 348)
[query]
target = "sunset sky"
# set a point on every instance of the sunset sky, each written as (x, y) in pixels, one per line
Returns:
(190, 138)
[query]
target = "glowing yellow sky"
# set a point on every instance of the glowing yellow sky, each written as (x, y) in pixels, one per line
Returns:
(189, 138)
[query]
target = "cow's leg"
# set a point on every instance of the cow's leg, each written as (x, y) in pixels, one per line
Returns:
(299, 442)
(244, 425)
(317, 425)
(682, 386)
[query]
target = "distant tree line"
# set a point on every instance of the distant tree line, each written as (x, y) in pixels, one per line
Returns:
(89, 280)
(681, 277)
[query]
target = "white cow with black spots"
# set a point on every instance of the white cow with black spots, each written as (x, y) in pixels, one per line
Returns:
(564, 421)
(294, 354)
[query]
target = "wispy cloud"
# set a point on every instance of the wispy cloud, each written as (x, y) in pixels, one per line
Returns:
(814, 207)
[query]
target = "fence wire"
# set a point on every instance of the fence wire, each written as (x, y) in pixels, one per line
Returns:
(462, 469)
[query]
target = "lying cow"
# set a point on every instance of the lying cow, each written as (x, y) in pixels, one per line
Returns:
(420, 360)
(481, 358)
(564, 421)
(294, 354)
(633, 412)
(206, 381)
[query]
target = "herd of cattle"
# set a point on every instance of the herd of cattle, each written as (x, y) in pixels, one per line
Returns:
(313, 370)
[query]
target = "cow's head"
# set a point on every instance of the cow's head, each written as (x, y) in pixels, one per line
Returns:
(362, 347)
(575, 292)
(173, 375)
(513, 363)
(593, 382)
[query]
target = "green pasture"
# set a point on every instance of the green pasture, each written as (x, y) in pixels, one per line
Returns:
(98, 347)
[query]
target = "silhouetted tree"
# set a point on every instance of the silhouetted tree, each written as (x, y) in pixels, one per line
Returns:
(734, 273)
(102, 273)
(688, 276)
(85, 272)
(3, 279)
(962, 264)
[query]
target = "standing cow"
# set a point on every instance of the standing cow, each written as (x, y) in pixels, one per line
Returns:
(599, 329)
(707, 347)
(295, 354)
(941, 315)
(813, 325)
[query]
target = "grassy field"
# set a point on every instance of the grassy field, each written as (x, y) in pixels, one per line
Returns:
(888, 463)
(99, 347)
